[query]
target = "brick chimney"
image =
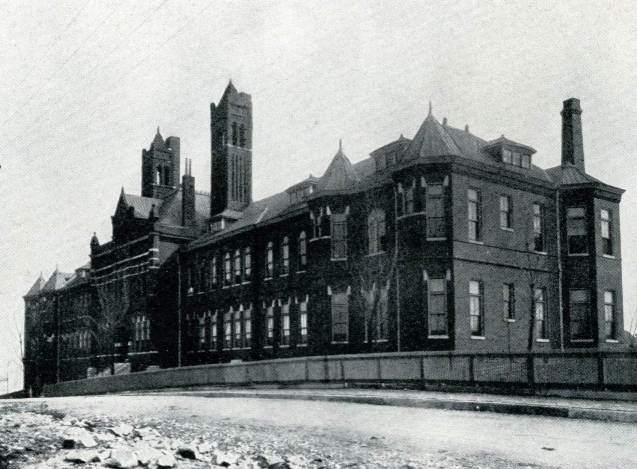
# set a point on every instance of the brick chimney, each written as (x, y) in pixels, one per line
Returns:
(188, 196)
(572, 140)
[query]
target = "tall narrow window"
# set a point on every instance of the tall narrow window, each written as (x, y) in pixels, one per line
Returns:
(539, 305)
(538, 228)
(606, 228)
(227, 329)
(235, 136)
(340, 317)
(505, 212)
(475, 308)
(437, 307)
(609, 315)
(576, 230)
(303, 321)
(227, 269)
(213, 331)
(269, 325)
(409, 198)
(201, 321)
(237, 342)
(339, 235)
(247, 327)
(400, 200)
(302, 250)
(435, 211)
(474, 215)
(285, 323)
(242, 135)
(269, 261)
(508, 300)
(247, 264)
(237, 266)
(580, 320)
(382, 319)
(213, 272)
(285, 254)
(376, 231)
(158, 176)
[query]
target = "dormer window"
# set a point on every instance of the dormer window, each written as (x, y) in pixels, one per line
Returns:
(510, 152)
(515, 158)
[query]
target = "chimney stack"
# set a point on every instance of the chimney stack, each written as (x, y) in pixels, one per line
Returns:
(572, 140)
(188, 196)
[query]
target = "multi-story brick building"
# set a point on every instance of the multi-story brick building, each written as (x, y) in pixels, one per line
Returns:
(444, 241)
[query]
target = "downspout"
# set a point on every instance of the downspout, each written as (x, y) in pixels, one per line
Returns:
(397, 271)
(178, 309)
(57, 338)
(559, 268)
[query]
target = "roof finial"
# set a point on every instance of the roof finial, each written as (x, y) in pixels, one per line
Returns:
(158, 130)
(340, 144)
(430, 109)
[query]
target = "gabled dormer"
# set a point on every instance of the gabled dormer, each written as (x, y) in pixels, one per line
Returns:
(301, 191)
(509, 152)
(388, 155)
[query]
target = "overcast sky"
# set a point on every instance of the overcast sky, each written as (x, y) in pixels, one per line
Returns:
(83, 85)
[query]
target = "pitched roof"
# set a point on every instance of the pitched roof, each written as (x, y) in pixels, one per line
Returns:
(340, 174)
(36, 288)
(142, 205)
(569, 174)
(432, 140)
(158, 142)
(56, 281)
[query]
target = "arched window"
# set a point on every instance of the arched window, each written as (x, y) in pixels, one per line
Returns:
(242, 136)
(237, 266)
(247, 264)
(302, 250)
(285, 252)
(269, 261)
(235, 136)
(227, 269)
(376, 231)
(158, 176)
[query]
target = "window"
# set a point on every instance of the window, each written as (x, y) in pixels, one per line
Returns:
(538, 228)
(213, 331)
(285, 323)
(213, 271)
(516, 159)
(607, 240)
(303, 321)
(237, 342)
(526, 161)
(508, 300)
(158, 176)
(474, 215)
(340, 317)
(400, 201)
(409, 198)
(475, 308)
(247, 327)
(285, 252)
(435, 211)
(339, 236)
(376, 231)
(382, 318)
(269, 325)
(539, 305)
(609, 315)
(376, 312)
(580, 320)
(576, 230)
(242, 136)
(227, 269)
(269, 261)
(505, 212)
(437, 307)
(247, 264)
(302, 250)
(201, 331)
(237, 266)
(227, 329)
(235, 136)
(506, 156)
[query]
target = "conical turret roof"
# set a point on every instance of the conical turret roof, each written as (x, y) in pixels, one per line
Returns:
(340, 175)
(36, 288)
(432, 139)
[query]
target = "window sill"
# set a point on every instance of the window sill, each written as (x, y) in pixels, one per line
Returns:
(541, 253)
(379, 341)
(284, 346)
(478, 337)
(267, 279)
(409, 215)
(301, 271)
(608, 256)
(578, 254)
(438, 337)
(319, 238)
(301, 345)
(542, 341)
(247, 282)
(267, 346)
(442, 238)
(506, 228)
(612, 341)
(283, 275)
(582, 341)
(337, 342)
(475, 241)
(339, 259)
(509, 320)
(374, 254)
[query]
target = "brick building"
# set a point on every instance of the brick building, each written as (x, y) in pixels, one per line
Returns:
(444, 241)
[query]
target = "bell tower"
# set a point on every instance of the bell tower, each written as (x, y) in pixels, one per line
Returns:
(231, 152)
(160, 167)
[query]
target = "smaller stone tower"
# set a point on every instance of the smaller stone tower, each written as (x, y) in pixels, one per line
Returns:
(160, 167)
